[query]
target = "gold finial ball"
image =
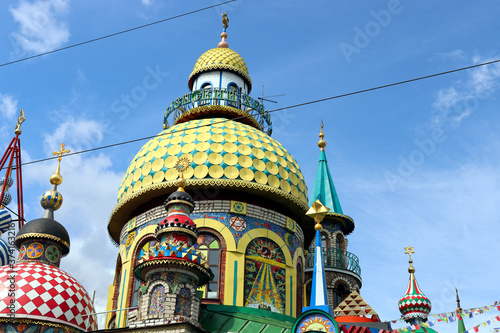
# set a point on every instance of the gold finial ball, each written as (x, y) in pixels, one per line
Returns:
(317, 227)
(322, 143)
(56, 179)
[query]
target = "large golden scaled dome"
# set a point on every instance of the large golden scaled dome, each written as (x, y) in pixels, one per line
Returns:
(223, 154)
(220, 58)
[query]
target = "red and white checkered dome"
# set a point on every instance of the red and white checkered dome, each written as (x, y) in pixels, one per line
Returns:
(45, 293)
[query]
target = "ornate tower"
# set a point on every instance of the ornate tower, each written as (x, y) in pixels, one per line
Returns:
(171, 271)
(414, 305)
(343, 273)
(249, 191)
(35, 295)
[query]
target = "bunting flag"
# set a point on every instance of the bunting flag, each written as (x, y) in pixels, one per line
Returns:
(495, 319)
(451, 316)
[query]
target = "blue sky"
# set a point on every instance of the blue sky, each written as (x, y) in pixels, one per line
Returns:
(413, 164)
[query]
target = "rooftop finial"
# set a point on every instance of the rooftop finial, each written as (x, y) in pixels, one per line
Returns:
(317, 212)
(459, 309)
(321, 142)
(52, 200)
(181, 166)
(56, 178)
(20, 120)
(409, 251)
(223, 35)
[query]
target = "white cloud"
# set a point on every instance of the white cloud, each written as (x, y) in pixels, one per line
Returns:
(89, 189)
(457, 102)
(8, 106)
(41, 27)
(147, 2)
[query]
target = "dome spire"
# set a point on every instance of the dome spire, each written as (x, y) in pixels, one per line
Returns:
(319, 297)
(324, 189)
(321, 142)
(223, 35)
(414, 305)
(52, 200)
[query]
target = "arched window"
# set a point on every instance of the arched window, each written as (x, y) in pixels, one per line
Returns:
(210, 246)
(183, 304)
(339, 293)
(205, 86)
(265, 276)
(143, 247)
(157, 299)
(232, 96)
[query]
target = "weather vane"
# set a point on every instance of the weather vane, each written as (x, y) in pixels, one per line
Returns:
(225, 21)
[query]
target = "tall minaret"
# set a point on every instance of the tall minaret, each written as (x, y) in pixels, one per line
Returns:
(414, 305)
(342, 269)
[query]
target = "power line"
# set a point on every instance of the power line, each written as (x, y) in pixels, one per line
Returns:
(279, 109)
(115, 34)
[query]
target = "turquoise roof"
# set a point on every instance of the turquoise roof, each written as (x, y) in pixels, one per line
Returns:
(323, 189)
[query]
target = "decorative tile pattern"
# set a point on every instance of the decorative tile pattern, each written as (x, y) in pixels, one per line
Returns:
(265, 276)
(183, 304)
(45, 290)
(217, 150)
(157, 298)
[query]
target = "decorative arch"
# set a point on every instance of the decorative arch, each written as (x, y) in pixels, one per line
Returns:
(222, 229)
(213, 246)
(183, 300)
(339, 240)
(135, 283)
(265, 276)
(265, 233)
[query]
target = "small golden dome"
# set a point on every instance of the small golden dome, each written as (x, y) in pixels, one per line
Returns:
(220, 58)
(56, 179)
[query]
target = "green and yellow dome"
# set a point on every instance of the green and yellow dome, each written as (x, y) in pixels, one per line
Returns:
(217, 59)
(223, 154)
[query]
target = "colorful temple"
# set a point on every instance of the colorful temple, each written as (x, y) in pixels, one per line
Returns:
(215, 229)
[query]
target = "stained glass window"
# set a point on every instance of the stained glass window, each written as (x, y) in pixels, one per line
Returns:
(209, 245)
(183, 304)
(157, 298)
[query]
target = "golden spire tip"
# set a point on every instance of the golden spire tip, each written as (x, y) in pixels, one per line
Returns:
(20, 120)
(56, 178)
(321, 142)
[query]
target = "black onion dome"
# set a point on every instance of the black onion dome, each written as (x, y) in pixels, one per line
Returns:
(180, 197)
(44, 228)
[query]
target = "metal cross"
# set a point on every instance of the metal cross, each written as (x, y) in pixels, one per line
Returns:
(61, 152)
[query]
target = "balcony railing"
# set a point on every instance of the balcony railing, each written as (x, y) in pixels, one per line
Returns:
(224, 97)
(336, 258)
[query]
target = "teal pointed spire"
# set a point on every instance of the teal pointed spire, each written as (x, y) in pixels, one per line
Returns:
(323, 189)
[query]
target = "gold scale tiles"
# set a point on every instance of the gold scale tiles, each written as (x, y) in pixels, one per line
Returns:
(222, 152)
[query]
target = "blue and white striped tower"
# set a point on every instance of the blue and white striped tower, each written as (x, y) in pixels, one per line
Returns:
(319, 296)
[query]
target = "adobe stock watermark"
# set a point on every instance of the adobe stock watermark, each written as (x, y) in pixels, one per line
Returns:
(425, 148)
(130, 101)
(364, 36)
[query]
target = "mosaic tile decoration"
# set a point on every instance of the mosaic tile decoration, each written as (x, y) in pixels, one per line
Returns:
(157, 299)
(265, 275)
(217, 150)
(45, 290)
(183, 304)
